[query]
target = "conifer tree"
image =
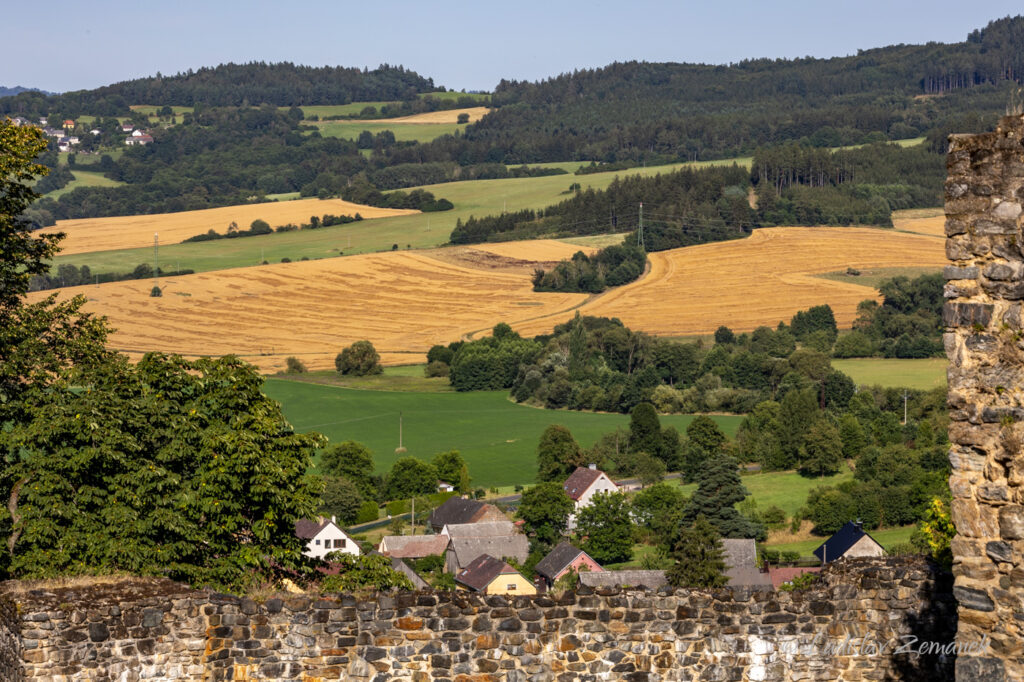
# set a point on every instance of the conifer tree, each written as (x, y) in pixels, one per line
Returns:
(718, 489)
(698, 557)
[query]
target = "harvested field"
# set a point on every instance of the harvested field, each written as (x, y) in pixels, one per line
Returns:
(403, 302)
(125, 232)
(536, 249)
(756, 281)
(931, 221)
(448, 116)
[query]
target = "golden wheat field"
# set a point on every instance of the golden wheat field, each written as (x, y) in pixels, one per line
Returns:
(404, 302)
(930, 221)
(448, 116)
(760, 280)
(126, 232)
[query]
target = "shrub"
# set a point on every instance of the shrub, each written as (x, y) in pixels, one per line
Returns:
(156, 292)
(368, 511)
(436, 369)
(360, 359)
(294, 366)
(463, 118)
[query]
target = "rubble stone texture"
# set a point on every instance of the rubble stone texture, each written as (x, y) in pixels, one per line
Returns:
(848, 628)
(985, 344)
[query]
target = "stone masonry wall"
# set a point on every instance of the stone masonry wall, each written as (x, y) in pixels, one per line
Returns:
(984, 342)
(849, 629)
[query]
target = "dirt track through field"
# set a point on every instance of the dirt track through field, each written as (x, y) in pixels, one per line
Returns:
(128, 232)
(406, 301)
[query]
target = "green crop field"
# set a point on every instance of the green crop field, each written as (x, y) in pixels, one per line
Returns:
(924, 374)
(84, 179)
(787, 490)
(886, 537)
(472, 197)
(404, 132)
(322, 110)
(497, 438)
(400, 378)
(151, 109)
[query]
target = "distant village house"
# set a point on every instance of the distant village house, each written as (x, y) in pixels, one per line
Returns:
(458, 510)
(849, 541)
(489, 575)
(323, 536)
(561, 561)
(582, 485)
(469, 541)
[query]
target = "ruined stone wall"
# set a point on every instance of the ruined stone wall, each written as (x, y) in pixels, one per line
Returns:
(849, 628)
(985, 287)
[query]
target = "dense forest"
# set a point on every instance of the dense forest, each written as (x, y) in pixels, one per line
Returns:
(234, 85)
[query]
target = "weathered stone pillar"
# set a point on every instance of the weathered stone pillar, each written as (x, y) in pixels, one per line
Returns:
(985, 344)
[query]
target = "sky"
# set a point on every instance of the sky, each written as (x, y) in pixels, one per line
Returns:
(61, 45)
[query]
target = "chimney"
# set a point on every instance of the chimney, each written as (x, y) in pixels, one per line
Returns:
(334, 519)
(592, 466)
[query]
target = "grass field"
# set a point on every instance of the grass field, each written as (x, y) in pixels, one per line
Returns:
(120, 233)
(151, 109)
(356, 107)
(404, 132)
(692, 291)
(474, 197)
(404, 302)
(787, 490)
(497, 438)
(873, 277)
(922, 374)
(887, 537)
(84, 179)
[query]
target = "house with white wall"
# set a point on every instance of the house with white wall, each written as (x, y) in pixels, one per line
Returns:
(582, 485)
(323, 536)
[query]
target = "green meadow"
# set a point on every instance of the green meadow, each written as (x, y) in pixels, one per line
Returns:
(84, 179)
(787, 490)
(497, 438)
(875, 276)
(886, 537)
(923, 374)
(404, 132)
(425, 230)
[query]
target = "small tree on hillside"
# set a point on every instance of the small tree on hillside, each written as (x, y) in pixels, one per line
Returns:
(353, 461)
(558, 454)
(451, 468)
(410, 477)
(645, 430)
(718, 489)
(605, 528)
(359, 359)
(341, 498)
(545, 510)
(699, 557)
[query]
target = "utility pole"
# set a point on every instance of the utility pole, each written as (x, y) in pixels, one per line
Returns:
(156, 259)
(413, 515)
(640, 229)
(904, 408)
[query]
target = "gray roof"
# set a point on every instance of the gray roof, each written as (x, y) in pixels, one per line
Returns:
(482, 530)
(468, 549)
(650, 579)
(740, 556)
(557, 559)
(414, 546)
(455, 510)
(403, 568)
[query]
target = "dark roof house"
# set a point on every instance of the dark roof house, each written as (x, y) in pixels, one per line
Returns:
(849, 541)
(562, 559)
(740, 556)
(458, 510)
(493, 576)
(580, 481)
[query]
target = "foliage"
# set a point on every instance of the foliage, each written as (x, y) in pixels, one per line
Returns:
(368, 511)
(410, 477)
(545, 510)
(804, 581)
(908, 324)
(718, 489)
(558, 454)
(294, 366)
(452, 469)
(341, 498)
(698, 557)
(659, 509)
(360, 359)
(490, 363)
(605, 528)
(352, 461)
(611, 266)
(68, 275)
(367, 571)
(938, 531)
(173, 467)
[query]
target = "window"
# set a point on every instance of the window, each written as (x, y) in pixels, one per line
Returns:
(317, 542)
(339, 544)
(510, 587)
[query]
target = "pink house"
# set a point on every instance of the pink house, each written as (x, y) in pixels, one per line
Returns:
(563, 559)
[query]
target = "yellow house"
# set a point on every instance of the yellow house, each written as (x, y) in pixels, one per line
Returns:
(488, 575)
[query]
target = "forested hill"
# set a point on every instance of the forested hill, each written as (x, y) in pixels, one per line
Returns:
(635, 110)
(283, 84)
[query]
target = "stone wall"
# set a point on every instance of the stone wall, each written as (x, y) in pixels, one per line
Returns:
(848, 629)
(985, 287)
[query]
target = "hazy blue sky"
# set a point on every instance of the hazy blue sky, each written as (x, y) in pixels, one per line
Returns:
(59, 45)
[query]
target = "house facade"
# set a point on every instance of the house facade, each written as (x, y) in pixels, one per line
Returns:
(489, 575)
(849, 541)
(323, 536)
(562, 560)
(582, 485)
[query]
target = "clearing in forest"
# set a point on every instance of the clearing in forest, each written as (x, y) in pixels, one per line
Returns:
(125, 232)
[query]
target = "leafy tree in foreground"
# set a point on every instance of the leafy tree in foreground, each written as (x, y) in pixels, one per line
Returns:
(361, 572)
(605, 528)
(545, 510)
(360, 359)
(699, 557)
(168, 467)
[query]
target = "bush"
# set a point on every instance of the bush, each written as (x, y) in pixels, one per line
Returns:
(156, 292)
(360, 359)
(463, 118)
(436, 369)
(368, 511)
(294, 366)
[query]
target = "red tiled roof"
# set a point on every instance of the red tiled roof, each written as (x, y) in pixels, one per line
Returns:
(783, 574)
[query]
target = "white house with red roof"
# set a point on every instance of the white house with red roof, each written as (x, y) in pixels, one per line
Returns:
(323, 536)
(582, 485)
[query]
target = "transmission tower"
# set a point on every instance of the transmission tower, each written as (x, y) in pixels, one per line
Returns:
(640, 229)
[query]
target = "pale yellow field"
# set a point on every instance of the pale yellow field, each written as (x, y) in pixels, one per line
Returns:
(125, 232)
(756, 281)
(448, 116)
(404, 302)
(931, 221)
